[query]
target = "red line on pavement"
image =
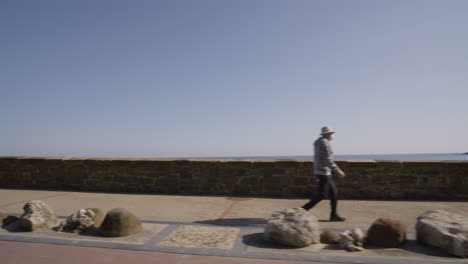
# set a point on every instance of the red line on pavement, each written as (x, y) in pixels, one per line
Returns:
(42, 198)
(228, 210)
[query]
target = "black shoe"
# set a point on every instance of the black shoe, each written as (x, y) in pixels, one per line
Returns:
(337, 218)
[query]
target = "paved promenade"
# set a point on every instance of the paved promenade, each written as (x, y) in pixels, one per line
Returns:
(202, 229)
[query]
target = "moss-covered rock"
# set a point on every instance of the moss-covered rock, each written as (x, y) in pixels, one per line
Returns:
(120, 222)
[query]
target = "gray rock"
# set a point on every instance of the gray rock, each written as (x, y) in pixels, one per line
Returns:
(294, 227)
(346, 239)
(358, 236)
(37, 214)
(82, 220)
(444, 230)
(98, 216)
(120, 222)
(352, 240)
(354, 248)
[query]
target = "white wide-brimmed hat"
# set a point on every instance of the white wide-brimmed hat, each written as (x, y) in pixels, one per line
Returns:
(327, 130)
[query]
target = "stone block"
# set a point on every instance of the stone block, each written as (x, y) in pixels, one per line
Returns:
(302, 180)
(287, 164)
(262, 164)
(246, 165)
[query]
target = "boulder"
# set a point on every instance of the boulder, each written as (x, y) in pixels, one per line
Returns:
(83, 220)
(444, 230)
(329, 237)
(98, 216)
(352, 240)
(294, 227)
(6, 219)
(120, 222)
(386, 233)
(37, 214)
(358, 237)
(346, 239)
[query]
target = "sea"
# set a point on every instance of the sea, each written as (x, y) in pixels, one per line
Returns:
(432, 156)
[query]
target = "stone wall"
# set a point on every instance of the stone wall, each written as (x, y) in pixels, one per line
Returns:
(367, 179)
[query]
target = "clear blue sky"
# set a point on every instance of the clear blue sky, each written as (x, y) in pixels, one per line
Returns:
(232, 78)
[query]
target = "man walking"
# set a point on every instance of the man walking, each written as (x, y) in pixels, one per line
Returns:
(323, 168)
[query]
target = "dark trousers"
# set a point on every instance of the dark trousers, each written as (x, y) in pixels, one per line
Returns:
(326, 189)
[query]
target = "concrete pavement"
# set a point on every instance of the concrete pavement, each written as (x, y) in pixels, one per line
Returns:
(222, 226)
(19, 252)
